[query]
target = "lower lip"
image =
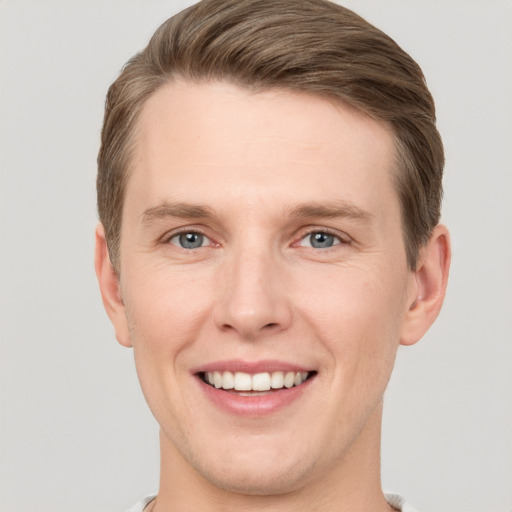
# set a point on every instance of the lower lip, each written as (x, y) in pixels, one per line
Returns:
(257, 405)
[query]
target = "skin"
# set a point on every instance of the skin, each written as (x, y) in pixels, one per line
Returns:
(269, 168)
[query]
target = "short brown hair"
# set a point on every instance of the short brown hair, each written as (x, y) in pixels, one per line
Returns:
(313, 46)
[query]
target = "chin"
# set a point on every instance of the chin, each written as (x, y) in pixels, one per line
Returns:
(251, 469)
(257, 480)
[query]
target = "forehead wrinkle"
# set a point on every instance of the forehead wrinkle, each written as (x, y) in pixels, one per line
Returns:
(177, 210)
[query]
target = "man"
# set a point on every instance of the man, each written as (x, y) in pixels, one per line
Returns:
(269, 193)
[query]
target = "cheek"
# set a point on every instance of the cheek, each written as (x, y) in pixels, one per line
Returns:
(166, 307)
(357, 314)
(165, 313)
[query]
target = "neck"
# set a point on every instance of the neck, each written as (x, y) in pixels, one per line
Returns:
(351, 483)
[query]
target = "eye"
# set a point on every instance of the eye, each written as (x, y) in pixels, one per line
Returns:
(190, 240)
(320, 240)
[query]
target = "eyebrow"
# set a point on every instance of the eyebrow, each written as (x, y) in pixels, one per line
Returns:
(338, 209)
(179, 210)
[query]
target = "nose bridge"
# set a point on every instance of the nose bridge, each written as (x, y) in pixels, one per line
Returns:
(252, 296)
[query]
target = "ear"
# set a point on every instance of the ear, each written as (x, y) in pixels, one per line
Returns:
(110, 289)
(428, 286)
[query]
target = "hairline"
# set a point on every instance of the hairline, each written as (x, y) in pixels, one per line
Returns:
(397, 170)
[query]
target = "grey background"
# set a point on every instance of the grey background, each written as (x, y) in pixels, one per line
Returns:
(75, 431)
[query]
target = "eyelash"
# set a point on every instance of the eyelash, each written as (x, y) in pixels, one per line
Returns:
(342, 240)
(197, 231)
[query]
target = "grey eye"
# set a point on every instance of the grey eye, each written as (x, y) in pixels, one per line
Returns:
(191, 240)
(321, 240)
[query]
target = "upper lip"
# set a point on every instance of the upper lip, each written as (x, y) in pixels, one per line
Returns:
(252, 367)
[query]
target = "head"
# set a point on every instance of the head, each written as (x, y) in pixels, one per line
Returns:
(330, 52)
(269, 186)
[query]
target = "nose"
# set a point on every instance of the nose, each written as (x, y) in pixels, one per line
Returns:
(252, 297)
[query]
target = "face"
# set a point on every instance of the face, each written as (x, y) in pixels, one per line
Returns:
(263, 281)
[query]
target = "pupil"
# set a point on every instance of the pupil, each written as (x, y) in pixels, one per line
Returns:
(191, 240)
(322, 240)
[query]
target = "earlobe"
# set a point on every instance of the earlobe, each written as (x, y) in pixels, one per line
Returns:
(429, 286)
(110, 289)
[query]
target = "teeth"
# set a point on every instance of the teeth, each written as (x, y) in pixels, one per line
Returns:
(228, 381)
(243, 381)
(261, 382)
(265, 381)
(277, 380)
(289, 379)
(217, 379)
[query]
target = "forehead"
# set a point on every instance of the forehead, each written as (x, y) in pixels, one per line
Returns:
(207, 142)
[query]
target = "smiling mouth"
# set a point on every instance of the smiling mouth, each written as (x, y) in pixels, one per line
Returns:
(247, 384)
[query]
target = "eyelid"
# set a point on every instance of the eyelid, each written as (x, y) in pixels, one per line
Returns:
(343, 238)
(166, 239)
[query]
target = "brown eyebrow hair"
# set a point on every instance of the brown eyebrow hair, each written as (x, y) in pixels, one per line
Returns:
(330, 210)
(181, 210)
(304, 210)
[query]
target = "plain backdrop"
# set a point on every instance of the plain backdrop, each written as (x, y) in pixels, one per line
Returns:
(75, 433)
